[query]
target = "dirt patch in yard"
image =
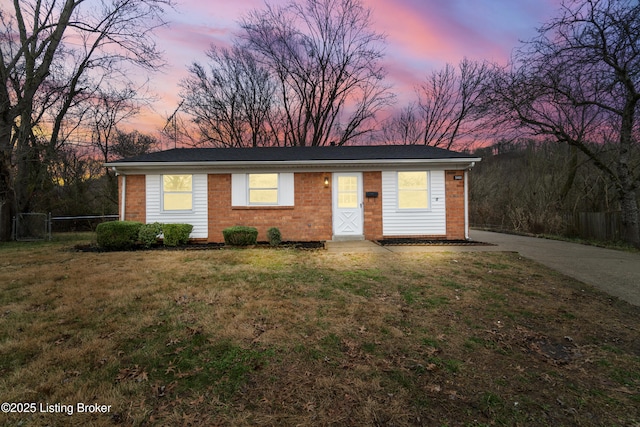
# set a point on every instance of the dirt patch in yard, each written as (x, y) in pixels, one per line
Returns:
(289, 337)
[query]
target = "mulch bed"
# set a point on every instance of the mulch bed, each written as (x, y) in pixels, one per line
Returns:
(92, 247)
(427, 242)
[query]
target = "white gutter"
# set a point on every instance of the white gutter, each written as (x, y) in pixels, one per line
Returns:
(290, 163)
(300, 166)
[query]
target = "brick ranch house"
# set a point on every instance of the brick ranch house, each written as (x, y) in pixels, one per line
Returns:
(309, 193)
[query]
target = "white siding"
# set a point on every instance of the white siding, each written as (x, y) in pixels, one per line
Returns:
(198, 217)
(407, 222)
(239, 189)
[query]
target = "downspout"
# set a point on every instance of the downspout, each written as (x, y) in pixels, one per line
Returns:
(466, 200)
(123, 197)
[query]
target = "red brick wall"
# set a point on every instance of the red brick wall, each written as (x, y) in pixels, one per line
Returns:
(311, 217)
(454, 190)
(372, 181)
(136, 199)
(308, 220)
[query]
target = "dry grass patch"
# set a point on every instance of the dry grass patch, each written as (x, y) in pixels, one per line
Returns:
(286, 337)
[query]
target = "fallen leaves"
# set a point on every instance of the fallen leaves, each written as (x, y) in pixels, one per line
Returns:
(137, 374)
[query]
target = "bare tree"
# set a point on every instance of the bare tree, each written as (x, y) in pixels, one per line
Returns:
(75, 184)
(102, 114)
(129, 144)
(449, 108)
(325, 57)
(579, 82)
(521, 186)
(232, 102)
(450, 104)
(405, 127)
(67, 48)
(124, 144)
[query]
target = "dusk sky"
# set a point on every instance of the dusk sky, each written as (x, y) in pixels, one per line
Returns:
(422, 35)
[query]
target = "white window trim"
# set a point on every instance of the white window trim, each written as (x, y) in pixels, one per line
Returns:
(277, 188)
(428, 189)
(162, 193)
(240, 190)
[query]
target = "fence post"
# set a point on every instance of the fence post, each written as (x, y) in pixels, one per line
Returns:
(49, 226)
(14, 229)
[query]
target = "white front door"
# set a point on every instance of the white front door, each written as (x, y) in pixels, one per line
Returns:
(347, 205)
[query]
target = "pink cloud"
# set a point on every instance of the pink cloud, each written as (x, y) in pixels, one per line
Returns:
(433, 32)
(422, 35)
(409, 35)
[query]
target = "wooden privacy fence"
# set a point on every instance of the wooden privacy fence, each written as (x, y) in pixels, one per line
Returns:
(596, 225)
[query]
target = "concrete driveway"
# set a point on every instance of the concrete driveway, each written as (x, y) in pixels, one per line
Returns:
(614, 272)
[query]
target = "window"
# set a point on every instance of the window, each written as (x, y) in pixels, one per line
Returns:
(413, 190)
(347, 192)
(177, 192)
(263, 189)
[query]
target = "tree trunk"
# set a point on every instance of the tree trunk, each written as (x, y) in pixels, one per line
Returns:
(628, 202)
(627, 185)
(630, 218)
(7, 196)
(571, 174)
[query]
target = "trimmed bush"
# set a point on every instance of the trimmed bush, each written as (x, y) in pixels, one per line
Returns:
(240, 235)
(118, 235)
(149, 233)
(176, 234)
(273, 236)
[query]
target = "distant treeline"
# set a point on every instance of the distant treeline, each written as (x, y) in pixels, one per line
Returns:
(541, 188)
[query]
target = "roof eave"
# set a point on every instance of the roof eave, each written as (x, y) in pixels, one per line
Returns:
(270, 164)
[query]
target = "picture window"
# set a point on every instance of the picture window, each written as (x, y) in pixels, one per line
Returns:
(177, 192)
(413, 190)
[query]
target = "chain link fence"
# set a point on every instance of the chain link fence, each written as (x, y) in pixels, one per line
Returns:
(71, 224)
(29, 227)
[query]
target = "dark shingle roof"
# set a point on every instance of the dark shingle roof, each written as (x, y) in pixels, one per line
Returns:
(274, 154)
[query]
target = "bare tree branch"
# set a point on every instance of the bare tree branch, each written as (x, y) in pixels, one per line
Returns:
(580, 80)
(324, 56)
(55, 53)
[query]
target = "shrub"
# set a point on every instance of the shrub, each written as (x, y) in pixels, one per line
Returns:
(149, 233)
(118, 235)
(274, 236)
(240, 235)
(176, 234)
